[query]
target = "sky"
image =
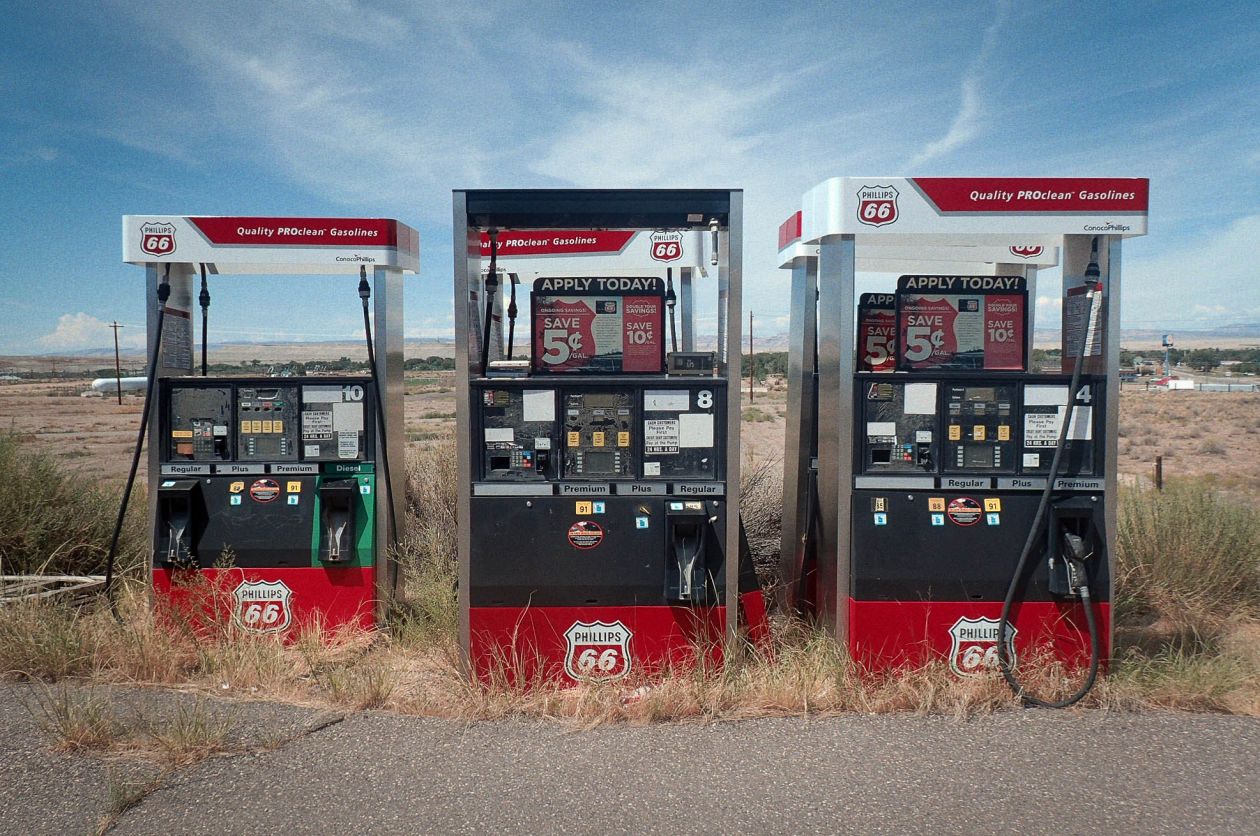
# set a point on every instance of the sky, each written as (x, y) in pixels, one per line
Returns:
(346, 108)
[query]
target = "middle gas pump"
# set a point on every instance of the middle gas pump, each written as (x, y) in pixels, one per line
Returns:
(598, 456)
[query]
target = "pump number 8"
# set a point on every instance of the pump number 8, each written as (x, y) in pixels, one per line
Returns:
(591, 660)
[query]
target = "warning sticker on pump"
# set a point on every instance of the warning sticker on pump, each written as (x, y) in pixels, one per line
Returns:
(964, 511)
(348, 445)
(1041, 429)
(660, 436)
(264, 490)
(585, 534)
(317, 424)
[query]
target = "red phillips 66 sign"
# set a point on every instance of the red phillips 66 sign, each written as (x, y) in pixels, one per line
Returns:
(157, 238)
(597, 651)
(877, 205)
(667, 246)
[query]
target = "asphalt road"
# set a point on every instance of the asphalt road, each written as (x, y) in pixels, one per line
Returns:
(1017, 772)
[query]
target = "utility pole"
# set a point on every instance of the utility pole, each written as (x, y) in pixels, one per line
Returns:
(752, 359)
(117, 364)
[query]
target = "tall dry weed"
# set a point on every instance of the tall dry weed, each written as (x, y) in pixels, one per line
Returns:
(1187, 560)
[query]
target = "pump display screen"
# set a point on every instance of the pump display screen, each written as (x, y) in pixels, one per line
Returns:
(961, 322)
(600, 462)
(598, 325)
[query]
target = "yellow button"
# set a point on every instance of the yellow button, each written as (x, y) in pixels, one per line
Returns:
(936, 503)
(955, 432)
(245, 426)
(575, 439)
(236, 487)
(1004, 433)
(597, 439)
(277, 426)
(623, 439)
(266, 427)
(255, 426)
(977, 432)
(992, 504)
(293, 487)
(582, 508)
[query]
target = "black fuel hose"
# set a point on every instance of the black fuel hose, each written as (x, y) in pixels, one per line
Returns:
(511, 312)
(1034, 530)
(671, 300)
(163, 293)
(492, 285)
(204, 300)
(365, 293)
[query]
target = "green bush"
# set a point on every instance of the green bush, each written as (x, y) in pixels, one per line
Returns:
(58, 522)
(1187, 556)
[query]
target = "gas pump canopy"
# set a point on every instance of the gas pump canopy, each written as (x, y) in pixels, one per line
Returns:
(982, 210)
(271, 245)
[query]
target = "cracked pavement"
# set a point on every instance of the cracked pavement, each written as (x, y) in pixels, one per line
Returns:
(301, 770)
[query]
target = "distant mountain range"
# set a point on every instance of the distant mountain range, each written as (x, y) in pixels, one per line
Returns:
(1224, 336)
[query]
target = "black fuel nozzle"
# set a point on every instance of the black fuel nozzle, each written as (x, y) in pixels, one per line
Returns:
(204, 298)
(365, 289)
(1068, 578)
(164, 288)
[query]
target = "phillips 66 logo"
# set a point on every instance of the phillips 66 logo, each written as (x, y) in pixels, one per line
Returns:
(1026, 250)
(597, 651)
(263, 606)
(667, 246)
(157, 238)
(973, 649)
(877, 205)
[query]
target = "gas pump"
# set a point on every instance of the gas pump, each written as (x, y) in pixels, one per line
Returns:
(274, 493)
(965, 501)
(599, 467)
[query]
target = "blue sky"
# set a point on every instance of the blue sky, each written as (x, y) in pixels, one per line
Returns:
(335, 107)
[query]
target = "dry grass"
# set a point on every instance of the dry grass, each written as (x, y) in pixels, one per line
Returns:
(1186, 566)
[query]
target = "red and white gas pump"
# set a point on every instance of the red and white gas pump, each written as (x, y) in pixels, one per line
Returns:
(957, 494)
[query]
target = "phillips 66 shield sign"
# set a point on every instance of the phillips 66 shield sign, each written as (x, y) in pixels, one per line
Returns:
(263, 606)
(597, 651)
(973, 646)
(667, 246)
(157, 238)
(877, 205)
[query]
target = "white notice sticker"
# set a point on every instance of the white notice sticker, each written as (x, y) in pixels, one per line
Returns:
(695, 430)
(660, 435)
(500, 434)
(348, 417)
(651, 468)
(347, 445)
(920, 399)
(881, 429)
(538, 405)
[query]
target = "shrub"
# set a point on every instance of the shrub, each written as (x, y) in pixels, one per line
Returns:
(1187, 558)
(58, 522)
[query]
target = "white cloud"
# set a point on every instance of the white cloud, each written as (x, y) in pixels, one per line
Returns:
(969, 118)
(79, 331)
